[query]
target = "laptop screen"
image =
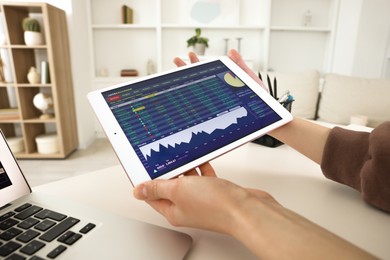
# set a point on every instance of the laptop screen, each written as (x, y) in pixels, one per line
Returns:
(13, 185)
(4, 179)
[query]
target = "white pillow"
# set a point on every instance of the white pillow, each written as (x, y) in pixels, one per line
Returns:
(303, 86)
(344, 96)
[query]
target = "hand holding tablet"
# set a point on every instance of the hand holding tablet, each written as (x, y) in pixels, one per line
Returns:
(165, 124)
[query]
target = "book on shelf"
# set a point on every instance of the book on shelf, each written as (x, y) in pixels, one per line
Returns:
(9, 113)
(129, 73)
(127, 15)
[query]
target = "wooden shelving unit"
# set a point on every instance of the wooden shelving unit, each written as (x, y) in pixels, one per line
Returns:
(18, 93)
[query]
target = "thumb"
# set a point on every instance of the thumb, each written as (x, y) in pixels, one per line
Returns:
(153, 190)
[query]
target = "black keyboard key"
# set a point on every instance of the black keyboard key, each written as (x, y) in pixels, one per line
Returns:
(23, 207)
(50, 214)
(6, 215)
(45, 225)
(73, 239)
(10, 233)
(34, 257)
(15, 257)
(56, 251)
(6, 224)
(28, 212)
(8, 248)
(66, 236)
(28, 236)
(87, 228)
(28, 223)
(57, 230)
(32, 247)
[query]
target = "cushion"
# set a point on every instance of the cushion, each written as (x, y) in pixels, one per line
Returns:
(345, 96)
(303, 86)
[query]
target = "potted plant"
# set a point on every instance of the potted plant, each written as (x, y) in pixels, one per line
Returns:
(198, 43)
(32, 31)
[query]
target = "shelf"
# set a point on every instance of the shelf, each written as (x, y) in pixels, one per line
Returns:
(300, 29)
(40, 121)
(34, 155)
(16, 120)
(28, 85)
(121, 26)
(213, 27)
(22, 46)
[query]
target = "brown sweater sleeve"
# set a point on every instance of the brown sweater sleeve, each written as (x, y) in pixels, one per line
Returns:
(361, 160)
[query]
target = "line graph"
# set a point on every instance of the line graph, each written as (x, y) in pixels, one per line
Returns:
(221, 122)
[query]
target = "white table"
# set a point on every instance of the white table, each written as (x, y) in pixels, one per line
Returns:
(291, 178)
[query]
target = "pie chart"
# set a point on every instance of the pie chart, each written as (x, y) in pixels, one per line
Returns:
(232, 80)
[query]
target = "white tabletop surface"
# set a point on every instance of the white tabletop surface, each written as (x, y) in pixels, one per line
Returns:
(292, 179)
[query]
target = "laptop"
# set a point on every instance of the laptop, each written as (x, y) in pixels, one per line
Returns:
(35, 226)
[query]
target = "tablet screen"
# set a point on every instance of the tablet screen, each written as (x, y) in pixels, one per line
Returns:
(179, 117)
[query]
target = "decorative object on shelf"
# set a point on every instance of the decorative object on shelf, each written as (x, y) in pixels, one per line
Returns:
(44, 102)
(216, 12)
(45, 72)
(226, 45)
(103, 72)
(4, 56)
(32, 31)
(127, 15)
(198, 43)
(239, 39)
(9, 113)
(33, 76)
(150, 68)
(16, 144)
(129, 73)
(47, 143)
(307, 18)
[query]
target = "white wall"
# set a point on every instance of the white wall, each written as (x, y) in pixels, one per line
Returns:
(361, 39)
(371, 43)
(79, 42)
(346, 35)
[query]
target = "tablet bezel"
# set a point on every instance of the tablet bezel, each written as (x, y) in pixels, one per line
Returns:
(127, 155)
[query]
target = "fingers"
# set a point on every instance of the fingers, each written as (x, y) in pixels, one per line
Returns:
(191, 55)
(207, 170)
(178, 62)
(204, 170)
(154, 190)
(192, 172)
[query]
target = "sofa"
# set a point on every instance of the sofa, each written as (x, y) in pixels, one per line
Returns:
(336, 99)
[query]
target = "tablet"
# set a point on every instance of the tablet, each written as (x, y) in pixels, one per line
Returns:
(163, 125)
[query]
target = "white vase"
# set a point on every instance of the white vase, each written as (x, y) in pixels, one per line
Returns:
(32, 38)
(200, 49)
(33, 76)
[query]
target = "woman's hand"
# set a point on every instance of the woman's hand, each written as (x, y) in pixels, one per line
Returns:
(200, 202)
(234, 56)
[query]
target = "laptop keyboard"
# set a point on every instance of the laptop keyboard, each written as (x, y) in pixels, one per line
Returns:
(27, 229)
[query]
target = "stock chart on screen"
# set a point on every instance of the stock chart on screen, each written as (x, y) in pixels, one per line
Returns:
(179, 117)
